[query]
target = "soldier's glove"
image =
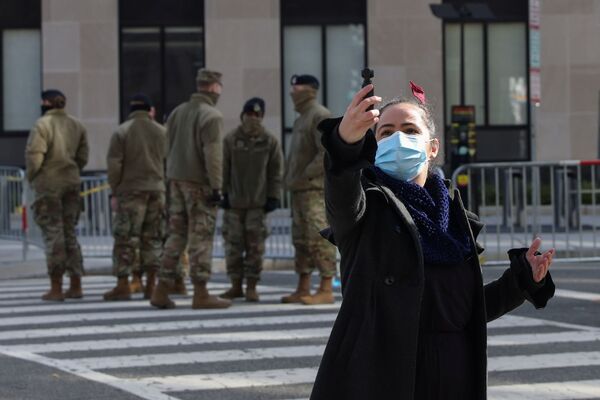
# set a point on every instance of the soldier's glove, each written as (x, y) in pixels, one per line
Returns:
(272, 204)
(215, 198)
(225, 202)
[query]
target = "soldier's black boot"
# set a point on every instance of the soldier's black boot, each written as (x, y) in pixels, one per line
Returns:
(74, 291)
(204, 300)
(303, 289)
(251, 293)
(160, 296)
(121, 292)
(55, 293)
(235, 291)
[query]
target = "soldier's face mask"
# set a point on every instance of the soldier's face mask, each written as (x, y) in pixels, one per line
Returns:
(251, 124)
(302, 96)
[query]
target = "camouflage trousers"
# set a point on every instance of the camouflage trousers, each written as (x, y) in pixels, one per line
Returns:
(191, 224)
(57, 214)
(137, 227)
(308, 218)
(245, 232)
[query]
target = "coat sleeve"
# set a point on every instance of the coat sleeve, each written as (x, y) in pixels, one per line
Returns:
(211, 140)
(275, 171)
(315, 168)
(35, 151)
(515, 286)
(226, 165)
(345, 200)
(83, 150)
(114, 161)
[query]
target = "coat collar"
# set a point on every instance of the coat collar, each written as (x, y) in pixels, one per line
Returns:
(139, 114)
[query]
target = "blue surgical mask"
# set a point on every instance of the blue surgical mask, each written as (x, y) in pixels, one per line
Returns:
(401, 156)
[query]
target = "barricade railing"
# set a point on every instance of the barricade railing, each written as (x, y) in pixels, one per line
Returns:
(94, 230)
(11, 204)
(557, 201)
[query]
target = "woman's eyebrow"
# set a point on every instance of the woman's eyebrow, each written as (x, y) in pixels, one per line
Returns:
(408, 124)
(385, 126)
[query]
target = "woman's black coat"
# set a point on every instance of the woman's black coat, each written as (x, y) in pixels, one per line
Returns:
(372, 350)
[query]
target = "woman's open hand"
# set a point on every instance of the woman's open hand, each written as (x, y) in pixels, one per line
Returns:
(357, 120)
(539, 263)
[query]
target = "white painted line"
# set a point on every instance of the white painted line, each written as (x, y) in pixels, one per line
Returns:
(230, 380)
(544, 338)
(199, 357)
(143, 391)
(571, 390)
(577, 295)
(540, 361)
(177, 340)
(165, 326)
(98, 304)
(150, 313)
(510, 321)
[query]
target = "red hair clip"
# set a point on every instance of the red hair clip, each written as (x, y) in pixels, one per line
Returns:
(418, 92)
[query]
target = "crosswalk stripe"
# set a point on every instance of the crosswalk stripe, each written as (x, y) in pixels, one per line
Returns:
(178, 340)
(154, 313)
(577, 295)
(571, 390)
(543, 338)
(99, 304)
(230, 380)
(199, 357)
(164, 326)
(539, 361)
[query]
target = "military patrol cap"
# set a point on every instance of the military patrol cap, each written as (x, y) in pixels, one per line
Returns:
(305, 80)
(206, 77)
(55, 97)
(255, 104)
(140, 101)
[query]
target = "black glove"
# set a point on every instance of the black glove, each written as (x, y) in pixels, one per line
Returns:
(225, 202)
(215, 198)
(272, 204)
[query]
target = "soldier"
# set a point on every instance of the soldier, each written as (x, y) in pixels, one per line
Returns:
(252, 174)
(56, 152)
(194, 171)
(135, 163)
(304, 176)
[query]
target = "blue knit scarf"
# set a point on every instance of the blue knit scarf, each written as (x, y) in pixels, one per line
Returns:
(443, 240)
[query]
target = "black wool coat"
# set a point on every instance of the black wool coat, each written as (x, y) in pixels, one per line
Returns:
(372, 350)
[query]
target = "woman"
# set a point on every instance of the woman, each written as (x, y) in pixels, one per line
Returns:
(412, 324)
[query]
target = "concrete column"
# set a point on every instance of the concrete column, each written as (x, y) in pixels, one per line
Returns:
(243, 42)
(80, 57)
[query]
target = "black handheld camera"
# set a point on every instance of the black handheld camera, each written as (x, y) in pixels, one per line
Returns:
(367, 74)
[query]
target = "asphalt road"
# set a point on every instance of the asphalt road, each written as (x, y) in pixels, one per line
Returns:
(97, 350)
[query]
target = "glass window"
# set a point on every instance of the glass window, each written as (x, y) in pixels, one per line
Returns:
(345, 58)
(141, 68)
(452, 67)
(507, 83)
(474, 71)
(21, 77)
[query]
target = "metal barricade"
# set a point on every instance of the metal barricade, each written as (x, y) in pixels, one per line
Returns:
(94, 230)
(11, 207)
(557, 201)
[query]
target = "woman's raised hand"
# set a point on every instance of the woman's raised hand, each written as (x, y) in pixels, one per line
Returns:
(357, 120)
(539, 263)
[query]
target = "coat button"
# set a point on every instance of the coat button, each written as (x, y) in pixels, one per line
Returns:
(389, 280)
(397, 229)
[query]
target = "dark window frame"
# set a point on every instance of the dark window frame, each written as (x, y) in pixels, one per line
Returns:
(321, 15)
(17, 14)
(155, 17)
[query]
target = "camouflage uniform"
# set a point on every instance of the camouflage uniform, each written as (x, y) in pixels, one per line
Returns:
(194, 170)
(304, 177)
(56, 151)
(136, 176)
(252, 173)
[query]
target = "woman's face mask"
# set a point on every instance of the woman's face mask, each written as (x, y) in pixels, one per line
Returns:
(402, 156)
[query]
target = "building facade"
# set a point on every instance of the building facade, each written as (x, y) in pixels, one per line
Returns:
(100, 52)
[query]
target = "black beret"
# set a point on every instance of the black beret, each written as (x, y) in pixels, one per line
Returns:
(255, 104)
(305, 80)
(52, 94)
(140, 101)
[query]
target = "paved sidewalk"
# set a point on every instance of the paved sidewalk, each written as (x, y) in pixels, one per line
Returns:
(12, 265)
